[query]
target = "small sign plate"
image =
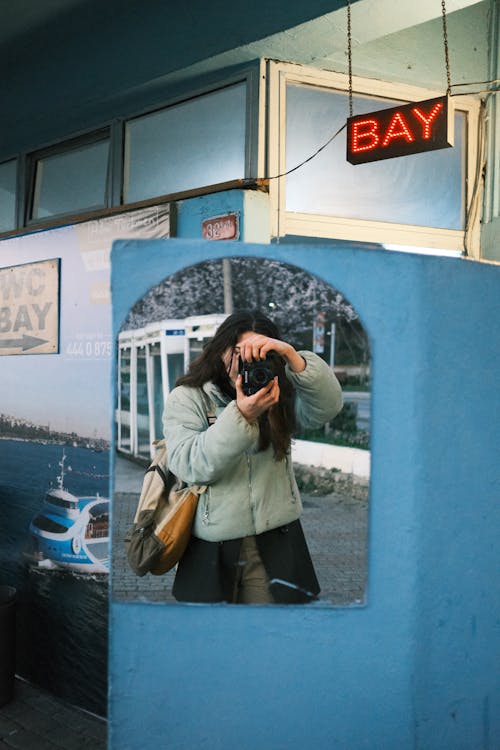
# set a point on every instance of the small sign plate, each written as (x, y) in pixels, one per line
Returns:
(221, 227)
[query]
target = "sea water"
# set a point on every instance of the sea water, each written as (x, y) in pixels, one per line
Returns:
(62, 616)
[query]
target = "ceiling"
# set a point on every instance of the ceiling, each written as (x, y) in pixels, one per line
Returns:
(69, 65)
(371, 20)
(24, 16)
(396, 40)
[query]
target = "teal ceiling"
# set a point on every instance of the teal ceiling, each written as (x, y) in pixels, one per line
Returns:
(70, 64)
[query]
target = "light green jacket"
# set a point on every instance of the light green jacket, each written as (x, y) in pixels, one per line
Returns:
(249, 492)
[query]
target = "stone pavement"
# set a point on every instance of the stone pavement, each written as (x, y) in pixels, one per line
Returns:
(36, 720)
(335, 525)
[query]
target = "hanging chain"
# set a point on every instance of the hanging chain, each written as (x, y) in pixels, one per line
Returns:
(349, 53)
(446, 50)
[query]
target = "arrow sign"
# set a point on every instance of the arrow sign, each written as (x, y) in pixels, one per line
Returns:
(26, 342)
(29, 308)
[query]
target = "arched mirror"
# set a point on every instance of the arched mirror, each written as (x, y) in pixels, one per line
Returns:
(167, 329)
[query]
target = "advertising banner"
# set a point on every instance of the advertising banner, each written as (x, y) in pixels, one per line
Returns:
(55, 418)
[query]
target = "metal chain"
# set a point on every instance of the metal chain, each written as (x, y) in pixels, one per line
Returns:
(349, 54)
(446, 50)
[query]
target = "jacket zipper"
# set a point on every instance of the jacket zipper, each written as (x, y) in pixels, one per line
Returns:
(289, 471)
(250, 493)
(206, 514)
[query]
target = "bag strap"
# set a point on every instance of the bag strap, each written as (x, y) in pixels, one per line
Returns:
(209, 408)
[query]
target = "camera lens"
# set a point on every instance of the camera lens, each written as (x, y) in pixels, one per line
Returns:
(256, 374)
(261, 375)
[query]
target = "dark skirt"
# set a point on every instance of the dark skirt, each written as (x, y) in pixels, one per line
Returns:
(207, 570)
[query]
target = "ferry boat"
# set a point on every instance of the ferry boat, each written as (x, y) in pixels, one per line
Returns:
(70, 532)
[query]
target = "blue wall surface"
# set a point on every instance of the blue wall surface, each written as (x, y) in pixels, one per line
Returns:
(417, 667)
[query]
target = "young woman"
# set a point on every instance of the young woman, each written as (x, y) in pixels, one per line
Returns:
(247, 544)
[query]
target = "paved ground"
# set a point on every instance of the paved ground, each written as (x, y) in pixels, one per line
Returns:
(335, 527)
(35, 720)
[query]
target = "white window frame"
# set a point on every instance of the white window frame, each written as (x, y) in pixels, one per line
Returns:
(130, 341)
(327, 226)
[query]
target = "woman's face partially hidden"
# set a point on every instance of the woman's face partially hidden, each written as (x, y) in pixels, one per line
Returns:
(231, 357)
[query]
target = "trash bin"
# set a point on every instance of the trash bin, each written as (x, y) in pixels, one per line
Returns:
(7, 643)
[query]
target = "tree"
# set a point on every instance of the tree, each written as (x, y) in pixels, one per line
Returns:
(291, 296)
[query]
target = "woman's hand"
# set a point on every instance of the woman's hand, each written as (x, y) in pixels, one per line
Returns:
(253, 406)
(256, 346)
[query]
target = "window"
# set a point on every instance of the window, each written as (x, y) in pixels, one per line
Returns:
(419, 200)
(70, 179)
(423, 189)
(48, 524)
(142, 400)
(124, 393)
(151, 359)
(195, 143)
(157, 388)
(211, 136)
(60, 503)
(175, 366)
(8, 175)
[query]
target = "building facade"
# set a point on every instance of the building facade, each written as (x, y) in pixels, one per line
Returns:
(214, 132)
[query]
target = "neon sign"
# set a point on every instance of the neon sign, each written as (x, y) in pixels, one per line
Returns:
(399, 131)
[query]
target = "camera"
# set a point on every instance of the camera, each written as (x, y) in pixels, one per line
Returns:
(257, 374)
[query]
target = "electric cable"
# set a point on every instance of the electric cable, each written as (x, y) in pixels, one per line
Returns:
(477, 93)
(475, 83)
(321, 148)
(471, 211)
(309, 158)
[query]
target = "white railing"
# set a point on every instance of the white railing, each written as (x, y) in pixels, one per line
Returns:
(349, 460)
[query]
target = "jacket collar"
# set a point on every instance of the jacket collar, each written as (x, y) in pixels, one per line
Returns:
(215, 394)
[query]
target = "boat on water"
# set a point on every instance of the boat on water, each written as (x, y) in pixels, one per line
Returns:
(70, 532)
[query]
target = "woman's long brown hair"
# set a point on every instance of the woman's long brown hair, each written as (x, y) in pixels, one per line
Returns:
(277, 425)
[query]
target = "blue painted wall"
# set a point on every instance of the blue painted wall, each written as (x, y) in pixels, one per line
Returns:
(191, 213)
(417, 667)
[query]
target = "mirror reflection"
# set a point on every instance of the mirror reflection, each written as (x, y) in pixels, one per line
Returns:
(258, 375)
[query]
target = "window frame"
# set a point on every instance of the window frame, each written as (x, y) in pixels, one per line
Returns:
(8, 160)
(59, 149)
(285, 222)
(254, 78)
(120, 421)
(252, 74)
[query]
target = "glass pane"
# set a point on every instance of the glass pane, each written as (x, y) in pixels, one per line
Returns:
(196, 143)
(331, 460)
(195, 348)
(8, 195)
(124, 400)
(143, 438)
(175, 364)
(422, 189)
(157, 391)
(71, 181)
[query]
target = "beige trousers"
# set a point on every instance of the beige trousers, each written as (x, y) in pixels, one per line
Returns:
(251, 585)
